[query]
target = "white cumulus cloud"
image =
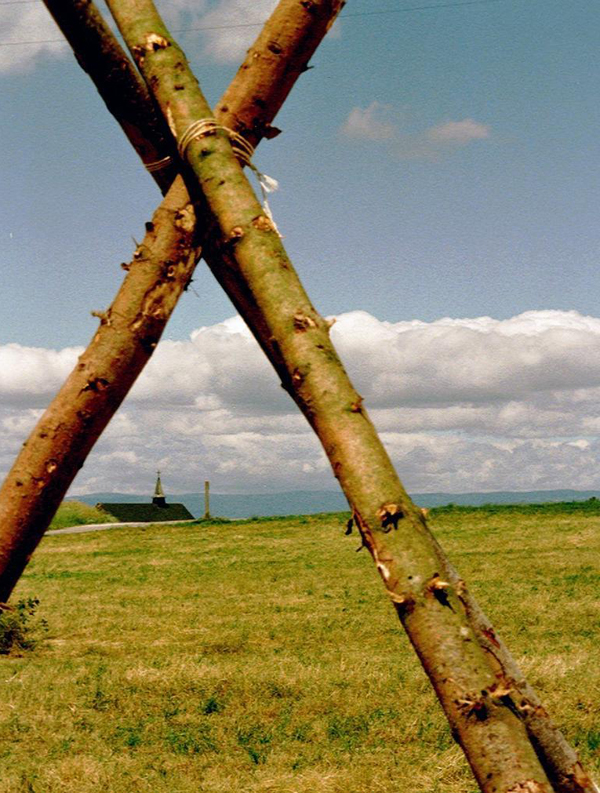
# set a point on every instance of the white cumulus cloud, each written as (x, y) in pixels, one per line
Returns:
(231, 26)
(375, 124)
(474, 360)
(31, 374)
(458, 133)
(369, 124)
(462, 404)
(29, 35)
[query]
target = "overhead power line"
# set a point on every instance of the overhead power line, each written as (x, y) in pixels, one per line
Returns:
(431, 7)
(418, 8)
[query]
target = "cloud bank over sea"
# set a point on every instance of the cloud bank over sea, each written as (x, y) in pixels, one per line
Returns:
(461, 404)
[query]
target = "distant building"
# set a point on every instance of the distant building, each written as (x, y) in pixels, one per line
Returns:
(156, 512)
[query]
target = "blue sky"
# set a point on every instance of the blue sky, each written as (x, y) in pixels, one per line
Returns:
(436, 163)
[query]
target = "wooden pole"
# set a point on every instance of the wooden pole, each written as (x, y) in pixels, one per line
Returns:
(160, 271)
(271, 84)
(119, 84)
(490, 733)
(207, 499)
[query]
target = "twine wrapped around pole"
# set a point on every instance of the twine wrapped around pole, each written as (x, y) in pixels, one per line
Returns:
(242, 149)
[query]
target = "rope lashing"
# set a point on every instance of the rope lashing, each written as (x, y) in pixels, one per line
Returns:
(242, 149)
(158, 165)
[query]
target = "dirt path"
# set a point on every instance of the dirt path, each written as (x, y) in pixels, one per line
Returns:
(105, 526)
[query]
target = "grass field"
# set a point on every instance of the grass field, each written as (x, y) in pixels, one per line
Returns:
(237, 657)
(76, 513)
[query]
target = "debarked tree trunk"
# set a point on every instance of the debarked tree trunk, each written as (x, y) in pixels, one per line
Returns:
(119, 84)
(160, 271)
(492, 736)
(266, 76)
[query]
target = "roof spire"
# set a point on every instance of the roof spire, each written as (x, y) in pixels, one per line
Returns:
(158, 490)
(159, 493)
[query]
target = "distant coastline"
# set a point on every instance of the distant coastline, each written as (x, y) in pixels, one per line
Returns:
(307, 502)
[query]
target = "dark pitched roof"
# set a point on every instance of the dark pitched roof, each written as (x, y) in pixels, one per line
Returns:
(146, 513)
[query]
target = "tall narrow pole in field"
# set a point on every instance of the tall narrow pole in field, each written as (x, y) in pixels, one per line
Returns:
(207, 499)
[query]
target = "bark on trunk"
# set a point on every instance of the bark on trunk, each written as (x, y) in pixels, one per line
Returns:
(557, 756)
(265, 77)
(492, 736)
(160, 270)
(119, 84)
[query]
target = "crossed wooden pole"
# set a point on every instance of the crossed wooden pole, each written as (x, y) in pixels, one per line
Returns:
(210, 209)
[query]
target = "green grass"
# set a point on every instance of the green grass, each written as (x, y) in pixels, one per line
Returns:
(76, 513)
(589, 507)
(265, 656)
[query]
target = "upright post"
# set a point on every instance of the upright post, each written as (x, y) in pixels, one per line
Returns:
(207, 499)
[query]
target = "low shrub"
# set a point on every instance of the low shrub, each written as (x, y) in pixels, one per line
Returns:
(19, 628)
